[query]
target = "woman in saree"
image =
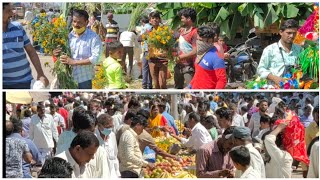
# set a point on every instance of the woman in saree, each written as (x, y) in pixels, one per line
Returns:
(157, 124)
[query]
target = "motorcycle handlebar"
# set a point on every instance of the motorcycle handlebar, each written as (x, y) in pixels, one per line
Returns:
(250, 39)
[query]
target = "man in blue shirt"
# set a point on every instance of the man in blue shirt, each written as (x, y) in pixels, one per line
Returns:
(146, 76)
(86, 48)
(17, 133)
(213, 105)
(15, 42)
(169, 118)
(306, 119)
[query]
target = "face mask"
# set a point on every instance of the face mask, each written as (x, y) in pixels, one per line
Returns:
(79, 31)
(106, 131)
(203, 47)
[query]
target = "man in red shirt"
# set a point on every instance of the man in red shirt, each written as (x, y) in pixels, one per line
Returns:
(210, 70)
(64, 113)
(184, 69)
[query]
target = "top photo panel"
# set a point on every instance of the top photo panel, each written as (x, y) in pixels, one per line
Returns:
(160, 45)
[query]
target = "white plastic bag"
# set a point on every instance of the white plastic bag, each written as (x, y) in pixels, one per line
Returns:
(37, 85)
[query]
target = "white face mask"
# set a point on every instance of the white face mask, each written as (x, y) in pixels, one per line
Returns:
(106, 131)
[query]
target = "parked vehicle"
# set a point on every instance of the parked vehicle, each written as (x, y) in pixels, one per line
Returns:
(242, 66)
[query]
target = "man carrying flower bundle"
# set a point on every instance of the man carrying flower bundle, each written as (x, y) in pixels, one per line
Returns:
(210, 70)
(184, 69)
(278, 58)
(86, 48)
(16, 67)
(158, 50)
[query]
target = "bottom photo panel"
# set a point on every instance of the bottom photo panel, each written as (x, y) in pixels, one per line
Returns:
(110, 134)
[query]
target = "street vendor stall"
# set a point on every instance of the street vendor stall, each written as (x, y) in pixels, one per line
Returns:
(170, 168)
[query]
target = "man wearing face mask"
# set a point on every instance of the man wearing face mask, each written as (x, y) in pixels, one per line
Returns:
(107, 139)
(86, 48)
(210, 70)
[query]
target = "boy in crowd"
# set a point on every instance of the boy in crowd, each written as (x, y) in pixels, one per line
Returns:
(264, 126)
(113, 69)
(241, 159)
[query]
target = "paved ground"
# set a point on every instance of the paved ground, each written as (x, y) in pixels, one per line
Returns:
(46, 70)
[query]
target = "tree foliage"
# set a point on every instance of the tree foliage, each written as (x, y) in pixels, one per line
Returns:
(232, 16)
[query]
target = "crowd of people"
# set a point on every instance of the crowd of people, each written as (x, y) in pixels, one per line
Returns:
(199, 63)
(104, 135)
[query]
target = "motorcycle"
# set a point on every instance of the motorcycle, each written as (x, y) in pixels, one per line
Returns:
(241, 66)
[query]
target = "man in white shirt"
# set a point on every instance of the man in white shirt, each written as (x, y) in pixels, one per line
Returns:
(82, 150)
(198, 134)
(244, 114)
(242, 137)
(313, 171)
(50, 15)
(129, 40)
(28, 16)
(241, 158)
(43, 132)
(108, 141)
(112, 110)
(58, 119)
(254, 123)
(237, 119)
(279, 163)
(85, 121)
(316, 101)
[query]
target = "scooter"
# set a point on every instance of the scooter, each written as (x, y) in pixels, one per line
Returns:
(241, 66)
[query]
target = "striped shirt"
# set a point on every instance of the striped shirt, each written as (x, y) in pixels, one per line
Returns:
(16, 67)
(112, 31)
(88, 45)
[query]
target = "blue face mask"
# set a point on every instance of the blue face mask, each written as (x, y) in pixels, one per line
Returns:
(106, 131)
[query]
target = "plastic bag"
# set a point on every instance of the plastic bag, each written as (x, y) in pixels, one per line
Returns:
(293, 139)
(149, 154)
(37, 85)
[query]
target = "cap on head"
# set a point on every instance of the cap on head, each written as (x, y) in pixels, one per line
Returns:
(241, 132)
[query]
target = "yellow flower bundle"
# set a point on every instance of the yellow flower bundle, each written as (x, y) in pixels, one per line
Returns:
(51, 35)
(160, 41)
(99, 81)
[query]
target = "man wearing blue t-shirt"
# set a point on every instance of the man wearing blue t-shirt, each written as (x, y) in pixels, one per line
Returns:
(16, 67)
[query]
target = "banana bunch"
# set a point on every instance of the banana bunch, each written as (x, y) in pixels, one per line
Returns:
(165, 143)
(185, 174)
(180, 126)
(165, 175)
